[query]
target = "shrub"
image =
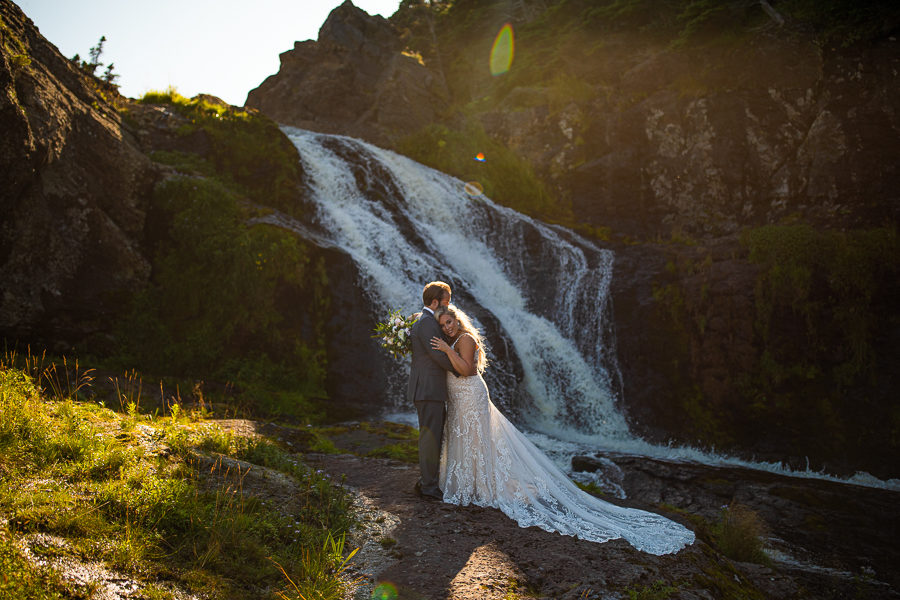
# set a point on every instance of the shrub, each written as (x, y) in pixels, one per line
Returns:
(214, 308)
(222, 287)
(247, 149)
(739, 534)
(832, 284)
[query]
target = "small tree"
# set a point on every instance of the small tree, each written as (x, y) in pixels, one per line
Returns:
(108, 75)
(95, 53)
(90, 67)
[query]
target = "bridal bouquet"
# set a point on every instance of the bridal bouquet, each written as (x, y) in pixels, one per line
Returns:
(394, 333)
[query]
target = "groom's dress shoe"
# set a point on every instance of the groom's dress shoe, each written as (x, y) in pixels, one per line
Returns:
(426, 496)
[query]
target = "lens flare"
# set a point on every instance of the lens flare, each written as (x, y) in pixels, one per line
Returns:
(480, 157)
(502, 51)
(385, 590)
(473, 188)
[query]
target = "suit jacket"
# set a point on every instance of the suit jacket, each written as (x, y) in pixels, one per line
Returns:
(428, 370)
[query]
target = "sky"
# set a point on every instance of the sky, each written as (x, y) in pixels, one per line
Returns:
(219, 47)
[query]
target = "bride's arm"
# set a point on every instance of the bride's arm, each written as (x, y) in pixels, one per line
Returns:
(463, 358)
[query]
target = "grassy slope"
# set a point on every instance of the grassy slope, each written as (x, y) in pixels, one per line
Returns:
(165, 500)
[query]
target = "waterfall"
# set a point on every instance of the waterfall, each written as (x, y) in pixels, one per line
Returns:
(539, 292)
(545, 290)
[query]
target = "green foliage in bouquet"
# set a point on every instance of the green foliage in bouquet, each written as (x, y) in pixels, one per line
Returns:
(394, 333)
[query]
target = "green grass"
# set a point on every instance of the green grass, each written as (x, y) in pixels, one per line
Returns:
(405, 452)
(592, 488)
(738, 533)
(16, 50)
(391, 430)
(659, 590)
(246, 149)
(78, 471)
(383, 439)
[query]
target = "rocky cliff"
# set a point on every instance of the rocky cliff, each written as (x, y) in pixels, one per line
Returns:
(73, 193)
(355, 80)
(642, 126)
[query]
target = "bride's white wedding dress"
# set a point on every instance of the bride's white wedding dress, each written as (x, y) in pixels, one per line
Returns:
(486, 461)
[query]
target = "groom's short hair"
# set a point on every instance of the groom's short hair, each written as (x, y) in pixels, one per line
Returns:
(434, 291)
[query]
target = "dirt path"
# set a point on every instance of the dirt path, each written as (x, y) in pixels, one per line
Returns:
(470, 553)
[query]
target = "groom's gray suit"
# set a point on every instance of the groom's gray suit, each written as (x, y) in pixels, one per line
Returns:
(428, 391)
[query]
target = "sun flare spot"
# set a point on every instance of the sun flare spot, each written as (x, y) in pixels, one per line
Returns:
(474, 189)
(502, 51)
(385, 590)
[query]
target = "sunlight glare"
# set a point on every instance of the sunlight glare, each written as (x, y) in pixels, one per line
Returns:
(474, 189)
(385, 590)
(502, 51)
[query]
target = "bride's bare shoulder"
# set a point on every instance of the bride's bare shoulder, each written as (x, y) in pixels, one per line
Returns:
(465, 341)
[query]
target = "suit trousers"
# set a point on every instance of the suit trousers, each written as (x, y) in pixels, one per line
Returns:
(431, 431)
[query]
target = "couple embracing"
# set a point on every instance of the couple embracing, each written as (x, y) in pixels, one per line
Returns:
(469, 453)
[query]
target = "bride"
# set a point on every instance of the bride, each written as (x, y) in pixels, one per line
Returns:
(486, 461)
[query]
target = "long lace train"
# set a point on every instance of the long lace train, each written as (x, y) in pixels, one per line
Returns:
(486, 461)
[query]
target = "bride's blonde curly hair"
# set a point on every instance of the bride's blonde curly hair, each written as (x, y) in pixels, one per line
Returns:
(465, 326)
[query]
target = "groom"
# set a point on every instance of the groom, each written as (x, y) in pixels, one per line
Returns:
(428, 388)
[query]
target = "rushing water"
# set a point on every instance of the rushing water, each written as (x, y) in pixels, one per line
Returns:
(541, 293)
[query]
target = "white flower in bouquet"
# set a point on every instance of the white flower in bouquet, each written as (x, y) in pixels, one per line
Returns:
(394, 333)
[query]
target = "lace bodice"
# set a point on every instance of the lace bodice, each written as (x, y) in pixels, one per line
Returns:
(486, 461)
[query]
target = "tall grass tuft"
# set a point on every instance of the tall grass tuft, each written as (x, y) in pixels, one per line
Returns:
(66, 385)
(739, 534)
(128, 393)
(321, 571)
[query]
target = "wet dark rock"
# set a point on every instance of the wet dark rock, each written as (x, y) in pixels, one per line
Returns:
(350, 346)
(846, 528)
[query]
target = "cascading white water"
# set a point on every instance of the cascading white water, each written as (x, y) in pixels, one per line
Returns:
(426, 226)
(547, 289)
